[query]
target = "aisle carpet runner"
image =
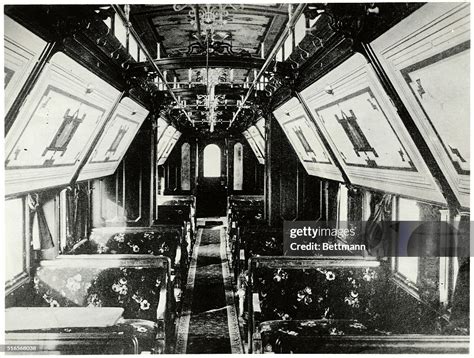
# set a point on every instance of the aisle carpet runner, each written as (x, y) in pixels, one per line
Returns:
(209, 321)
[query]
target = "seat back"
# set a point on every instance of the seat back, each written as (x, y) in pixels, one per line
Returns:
(289, 288)
(292, 288)
(160, 240)
(176, 200)
(244, 200)
(173, 214)
(137, 283)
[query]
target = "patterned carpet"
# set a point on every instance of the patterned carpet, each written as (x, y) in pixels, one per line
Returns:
(212, 321)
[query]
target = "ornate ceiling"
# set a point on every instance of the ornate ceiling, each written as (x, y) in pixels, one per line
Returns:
(245, 28)
(203, 67)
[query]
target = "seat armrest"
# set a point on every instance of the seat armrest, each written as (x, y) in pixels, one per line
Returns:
(161, 309)
(256, 303)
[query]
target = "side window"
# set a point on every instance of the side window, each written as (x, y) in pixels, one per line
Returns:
(407, 267)
(15, 241)
(343, 205)
(63, 220)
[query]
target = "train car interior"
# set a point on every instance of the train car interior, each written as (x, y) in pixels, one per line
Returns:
(155, 153)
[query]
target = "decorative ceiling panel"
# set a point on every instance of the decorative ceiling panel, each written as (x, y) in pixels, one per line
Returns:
(233, 41)
(247, 26)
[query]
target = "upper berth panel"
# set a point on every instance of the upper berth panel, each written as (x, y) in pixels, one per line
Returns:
(115, 140)
(162, 125)
(305, 140)
(55, 126)
(166, 144)
(260, 124)
(426, 56)
(258, 137)
(253, 144)
(22, 51)
(366, 134)
(163, 140)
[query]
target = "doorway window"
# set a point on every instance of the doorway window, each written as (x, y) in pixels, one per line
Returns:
(212, 161)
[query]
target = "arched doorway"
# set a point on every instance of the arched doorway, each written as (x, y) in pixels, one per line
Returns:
(212, 185)
(212, 161)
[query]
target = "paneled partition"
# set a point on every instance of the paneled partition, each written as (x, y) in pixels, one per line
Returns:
(124, 198)
(290, 193)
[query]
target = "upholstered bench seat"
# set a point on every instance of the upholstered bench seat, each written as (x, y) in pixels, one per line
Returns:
(166, 240)
(140, 284)
(337, 305)
(128, 336)
(347, 336)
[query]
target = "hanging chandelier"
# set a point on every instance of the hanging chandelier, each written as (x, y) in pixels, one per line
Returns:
(211, 101)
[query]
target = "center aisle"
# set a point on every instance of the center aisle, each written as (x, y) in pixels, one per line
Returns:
(209, 323)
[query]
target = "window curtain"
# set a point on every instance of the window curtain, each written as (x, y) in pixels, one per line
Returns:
(427, 248)
(376, 240)
(459, 318)
(40, 234)
(77, 217)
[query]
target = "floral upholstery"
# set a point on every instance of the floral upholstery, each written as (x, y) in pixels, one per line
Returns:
(174, 214)
(135, 289)
(145, 331)
(321, 293)
(286, 336)
(135, 283)
(183, 215)
(254, 240)
(262, 242)
(245, 216)
(188, 201)
(349, 336)
(300, 307)
(154, 241)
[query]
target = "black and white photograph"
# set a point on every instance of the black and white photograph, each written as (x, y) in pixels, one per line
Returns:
(245, 178)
